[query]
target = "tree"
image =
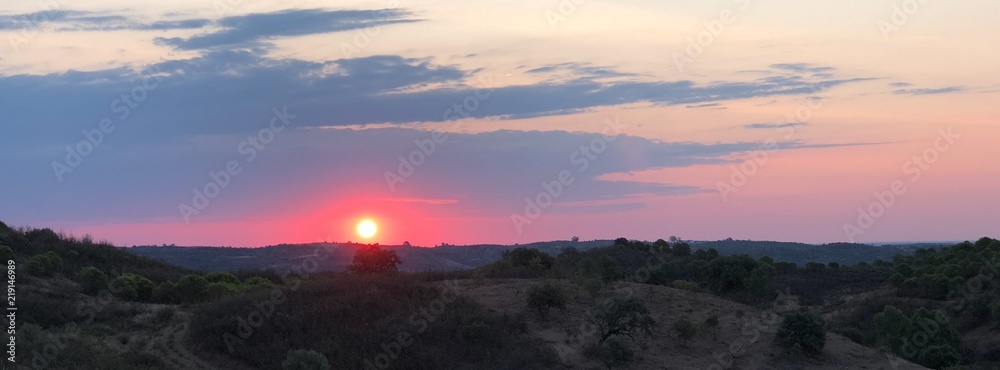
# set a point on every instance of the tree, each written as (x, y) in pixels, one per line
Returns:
(682, 249)
(529, 257)
(305, 360)
(609, 268)
(892, 327)
(222, 277)
(759, 280)
(373, 259)
(542, 297)
(575, 239)
(621, 242)
(712, 322)
(685, 329)
(6, 254)
(803, 329)
(623, 316)
(46, 264)
(92, 280)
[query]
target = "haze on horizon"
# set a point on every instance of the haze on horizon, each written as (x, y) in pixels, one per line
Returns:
(500, 122)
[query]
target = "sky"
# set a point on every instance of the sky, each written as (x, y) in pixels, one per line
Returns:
(238, 123)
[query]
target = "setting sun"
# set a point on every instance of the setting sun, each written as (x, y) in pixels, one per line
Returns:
(367, 228)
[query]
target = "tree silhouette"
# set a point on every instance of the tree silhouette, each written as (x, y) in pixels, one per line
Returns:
(623, 316)
(372, 259)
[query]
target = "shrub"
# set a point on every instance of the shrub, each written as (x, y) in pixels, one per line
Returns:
(685, 329)
(46, 264)
(166, 292)
(222, 277)
(219, 290)
(258, 282)
(305, 360)
(804, 330)
(92, 280)
(6, 254)
(543, 297)
(373, 259)
(608, 268)
(132, 287)
(191, 288)
(623, 316)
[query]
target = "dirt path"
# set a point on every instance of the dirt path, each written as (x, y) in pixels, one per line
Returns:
(169, 345)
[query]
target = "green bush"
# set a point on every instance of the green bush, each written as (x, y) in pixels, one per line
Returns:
(191, 288)
(542, 297)
(92, 280)
(46, 264)
(305, 360)
(132, 287)
(166, 292)
(804, 330)
(222, 277)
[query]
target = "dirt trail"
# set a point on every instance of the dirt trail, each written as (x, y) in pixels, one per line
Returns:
(169, 345)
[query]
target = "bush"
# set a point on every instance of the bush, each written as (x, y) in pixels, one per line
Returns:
(166, 292)
(46, 264)
(222, 277)
(712, 322)
(543, 297)
(6, 254)
(305, 360)
(685, 329)
(529, 257)
(92, 280)
(804, 330)
(132, 287)
(191, 288)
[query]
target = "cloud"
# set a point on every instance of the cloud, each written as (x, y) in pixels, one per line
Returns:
(900, 84)
(71, 20)
(944, 90)
(774, 125)
(803, 67)
(470, 173)
(227, 91)
(253, 29)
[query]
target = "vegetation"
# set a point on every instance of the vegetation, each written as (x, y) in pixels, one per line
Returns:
(925, 337)
(614, 353)
(543, 297)
(625, 317)
(712, 322)
(305, 360)
(685, 329)
(92, 280)
(803, 330)
(374, 260)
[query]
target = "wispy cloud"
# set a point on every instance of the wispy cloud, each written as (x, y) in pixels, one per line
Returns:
(774, 125)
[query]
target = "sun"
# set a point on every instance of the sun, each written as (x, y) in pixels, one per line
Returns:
(367, 228)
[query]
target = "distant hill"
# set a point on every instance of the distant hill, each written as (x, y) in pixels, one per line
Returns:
(450, 257)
